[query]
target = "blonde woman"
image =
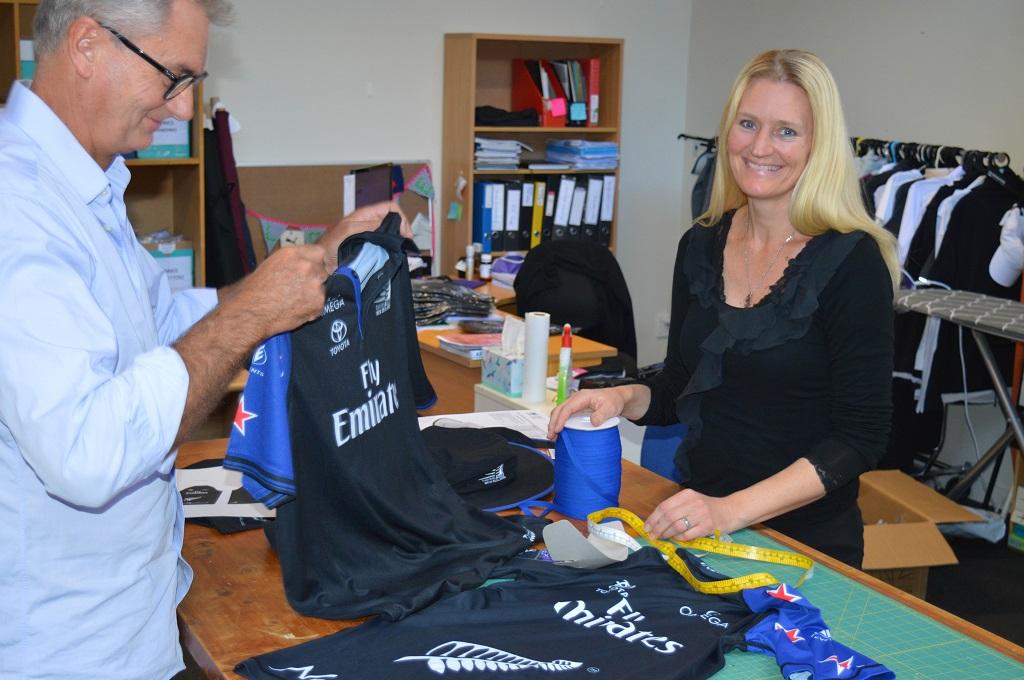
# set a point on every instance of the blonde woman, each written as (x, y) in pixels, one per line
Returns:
(780, 346)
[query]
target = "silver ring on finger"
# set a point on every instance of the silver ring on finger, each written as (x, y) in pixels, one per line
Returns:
(686, 521)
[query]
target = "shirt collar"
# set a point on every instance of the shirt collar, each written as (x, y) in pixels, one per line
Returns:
(38, 121)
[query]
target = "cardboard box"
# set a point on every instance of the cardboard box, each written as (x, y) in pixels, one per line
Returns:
(901, 539)
(502, 371)
(27, 57)
(171, 140)
(177, 260)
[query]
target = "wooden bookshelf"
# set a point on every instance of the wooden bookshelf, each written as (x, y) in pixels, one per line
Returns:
(478, 72)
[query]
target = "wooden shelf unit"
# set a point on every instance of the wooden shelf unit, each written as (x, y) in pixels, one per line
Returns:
(478, 72)
(164, 193)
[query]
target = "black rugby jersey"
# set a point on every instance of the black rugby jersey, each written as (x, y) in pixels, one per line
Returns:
(637, 619)
(374, 527)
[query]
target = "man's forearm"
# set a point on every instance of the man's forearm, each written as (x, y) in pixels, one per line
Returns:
(284, 292)
(212, 361)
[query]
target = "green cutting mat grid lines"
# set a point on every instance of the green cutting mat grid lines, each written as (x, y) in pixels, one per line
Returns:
(912, 645)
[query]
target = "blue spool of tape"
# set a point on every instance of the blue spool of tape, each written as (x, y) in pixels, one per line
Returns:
(588, 466)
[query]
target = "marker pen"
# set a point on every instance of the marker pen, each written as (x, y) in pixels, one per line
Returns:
(564, 365)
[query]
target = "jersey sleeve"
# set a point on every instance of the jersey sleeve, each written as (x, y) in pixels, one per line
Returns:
(793, 631)
(260, 443)
(422, 391)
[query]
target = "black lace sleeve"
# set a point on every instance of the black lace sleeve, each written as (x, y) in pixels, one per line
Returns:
(857, 313)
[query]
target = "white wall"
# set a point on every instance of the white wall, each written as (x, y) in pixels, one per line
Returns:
(332, 81)
(929, 71)
(325, 81)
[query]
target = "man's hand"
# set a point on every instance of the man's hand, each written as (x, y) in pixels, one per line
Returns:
(285, 291)
(366, 218)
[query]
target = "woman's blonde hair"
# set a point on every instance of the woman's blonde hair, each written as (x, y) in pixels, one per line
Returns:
(827, 195)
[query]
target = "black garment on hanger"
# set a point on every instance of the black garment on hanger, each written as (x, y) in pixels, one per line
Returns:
(223, 253)
(704, 168)
(971, 239)
(872, 182)
(899, 203)
(234, 192)
(922, 246)
(1006, 178)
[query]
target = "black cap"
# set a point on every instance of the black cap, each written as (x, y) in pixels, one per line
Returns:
(493, 468)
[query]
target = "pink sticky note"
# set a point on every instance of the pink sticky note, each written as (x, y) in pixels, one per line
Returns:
(557, 106)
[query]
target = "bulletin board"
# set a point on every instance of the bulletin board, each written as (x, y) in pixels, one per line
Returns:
(312, 194)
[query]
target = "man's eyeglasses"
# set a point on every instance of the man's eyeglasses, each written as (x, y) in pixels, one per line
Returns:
(179, 82)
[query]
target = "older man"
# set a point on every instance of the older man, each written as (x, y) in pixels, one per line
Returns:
(102, 369)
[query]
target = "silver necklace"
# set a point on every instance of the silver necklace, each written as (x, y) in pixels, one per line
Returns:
(748, 302)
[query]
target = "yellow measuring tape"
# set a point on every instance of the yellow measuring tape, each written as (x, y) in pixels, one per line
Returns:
(711, 545)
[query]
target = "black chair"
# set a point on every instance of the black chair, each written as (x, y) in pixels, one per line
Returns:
(580, 283)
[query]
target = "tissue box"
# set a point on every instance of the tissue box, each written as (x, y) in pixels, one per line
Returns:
(502, 371)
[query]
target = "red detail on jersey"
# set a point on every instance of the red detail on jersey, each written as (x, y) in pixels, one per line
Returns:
(792, 633)
(841, 666)
(782, 594)
(241, 415)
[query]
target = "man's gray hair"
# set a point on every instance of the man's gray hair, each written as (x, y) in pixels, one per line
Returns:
(131, 17)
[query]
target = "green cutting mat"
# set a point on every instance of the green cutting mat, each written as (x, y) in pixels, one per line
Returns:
(906, 641)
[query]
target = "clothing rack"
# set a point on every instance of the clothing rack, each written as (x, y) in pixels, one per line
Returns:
(933, 155)
(709, 142)
(994, 164)
(976, 162)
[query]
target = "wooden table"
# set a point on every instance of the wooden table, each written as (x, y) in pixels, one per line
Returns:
(454, 375)
(504, 298)
(236, 607)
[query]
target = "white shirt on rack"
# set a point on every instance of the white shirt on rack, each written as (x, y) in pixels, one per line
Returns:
(885, 194)
(918, 198)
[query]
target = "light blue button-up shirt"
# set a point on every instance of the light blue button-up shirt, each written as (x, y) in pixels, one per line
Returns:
(91, 397)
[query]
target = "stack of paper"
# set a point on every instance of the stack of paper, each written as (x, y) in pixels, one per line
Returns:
(583, 154)
(469, 345)
(498, 154)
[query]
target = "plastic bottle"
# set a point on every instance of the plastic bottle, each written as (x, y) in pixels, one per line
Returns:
(470, 253)
(485, 266)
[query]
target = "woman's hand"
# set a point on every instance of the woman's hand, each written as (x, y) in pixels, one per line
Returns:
(689, 514)
(630, 401)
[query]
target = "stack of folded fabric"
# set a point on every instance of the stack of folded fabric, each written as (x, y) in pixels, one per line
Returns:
(498, 154)
(583, 154)
(435, 300)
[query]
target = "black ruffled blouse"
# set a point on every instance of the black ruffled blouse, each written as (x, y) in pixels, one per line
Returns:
(804, 373)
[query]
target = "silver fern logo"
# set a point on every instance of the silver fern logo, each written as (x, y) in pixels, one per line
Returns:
(304, 673)
(458, 656)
